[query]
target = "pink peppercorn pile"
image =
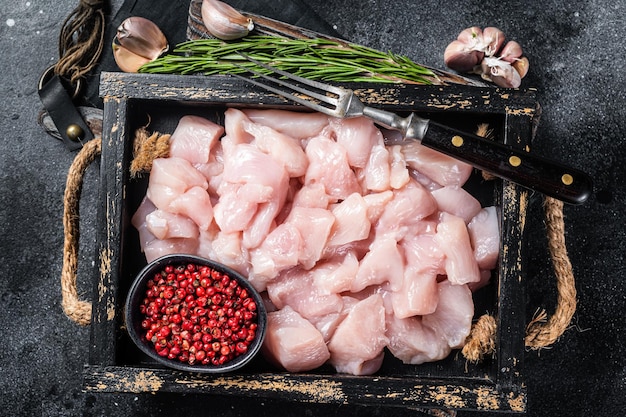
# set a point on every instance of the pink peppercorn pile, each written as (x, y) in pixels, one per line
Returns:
(197, 315)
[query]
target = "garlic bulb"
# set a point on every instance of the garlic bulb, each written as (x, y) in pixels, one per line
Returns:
(460, 57)
(493, 39)
(223, 21)
(511, 52)
(484, 52)
(137, 42)
(500, 72)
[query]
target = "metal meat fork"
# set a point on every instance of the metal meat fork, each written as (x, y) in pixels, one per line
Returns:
(537, 173)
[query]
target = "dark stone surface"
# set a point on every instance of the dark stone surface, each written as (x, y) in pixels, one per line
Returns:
(577, 65)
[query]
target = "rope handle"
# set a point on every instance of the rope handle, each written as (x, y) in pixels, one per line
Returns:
(540, 332)
(76, 309)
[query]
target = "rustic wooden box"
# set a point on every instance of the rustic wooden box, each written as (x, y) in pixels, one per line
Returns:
(115, 365)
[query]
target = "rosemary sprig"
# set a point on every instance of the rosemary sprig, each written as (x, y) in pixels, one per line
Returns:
(320, 59)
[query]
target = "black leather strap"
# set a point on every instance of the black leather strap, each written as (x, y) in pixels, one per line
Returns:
(63, 113)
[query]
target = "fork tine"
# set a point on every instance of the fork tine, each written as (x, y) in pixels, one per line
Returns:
(315, 84)
(317, 96)
(293, 87)
(300, 100)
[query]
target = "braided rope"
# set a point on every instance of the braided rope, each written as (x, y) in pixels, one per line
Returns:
(81, 40)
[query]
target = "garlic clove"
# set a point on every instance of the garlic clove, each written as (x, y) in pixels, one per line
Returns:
(223, 21)
(472, 36)
(511, 51)
(141, 37)
(500, 72)
(521, 66)
(493, 39)
(459, 57)
(126, 60)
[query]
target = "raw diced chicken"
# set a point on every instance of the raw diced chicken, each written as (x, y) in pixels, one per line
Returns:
(139, 222)
(283, 148)
(298, 125)
(457, 201)
(213, 169)
(246, 164)
(193, 139)
(314, 225)
(157, 248)
(431, 337)
(376, 203)
(293, 343)
(399, 175)
(453, 237)
(485, 278)
(412, 342)
(355, 245)
(311, 195)
(357, 344)
(336, 275)
(442, 169)
(351, 221)
(357, 136)
(195, 204)
(377, 171)
(424, 262)
(328, 165)
(165, 225)
(452, 320)
(382, 264)
(238, 204)
(409, 205)
(234, 122)
(228, 250)
(279, 250)
(295, 288)
(484, 232)
(171, 177)
(327, 325)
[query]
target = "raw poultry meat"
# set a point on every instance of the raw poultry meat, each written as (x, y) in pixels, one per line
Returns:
(292, 342)
(356, 245)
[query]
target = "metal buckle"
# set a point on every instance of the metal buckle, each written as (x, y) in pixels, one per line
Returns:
(49, 73)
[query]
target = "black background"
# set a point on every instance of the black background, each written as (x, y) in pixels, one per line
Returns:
(577, 66)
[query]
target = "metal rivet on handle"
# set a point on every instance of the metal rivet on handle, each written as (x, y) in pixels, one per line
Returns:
(74, 132)
(515, 161)
(567, 179)
(457, 141)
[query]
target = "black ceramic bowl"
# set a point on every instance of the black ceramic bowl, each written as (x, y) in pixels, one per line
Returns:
(134, 316)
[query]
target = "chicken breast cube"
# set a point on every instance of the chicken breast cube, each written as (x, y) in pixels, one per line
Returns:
(293, 343)
(440, 168)
(382, 264)
(314, 225)
(460, 264)
(298, 125)
(484, 232)
(457, 201)
(328, 165)
(351, 221)
(452, 320)
(165, 225)
(412, 342)
(193, 139)
(171, 177)
(358, 342)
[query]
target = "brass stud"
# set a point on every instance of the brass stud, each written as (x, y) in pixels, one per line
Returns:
(515, 161)
(457, 141)
(567, 179)
(74, 132)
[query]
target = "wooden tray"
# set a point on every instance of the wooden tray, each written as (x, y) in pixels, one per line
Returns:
(115, 365)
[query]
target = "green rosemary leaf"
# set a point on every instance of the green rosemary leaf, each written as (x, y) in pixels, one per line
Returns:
(320, 59)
